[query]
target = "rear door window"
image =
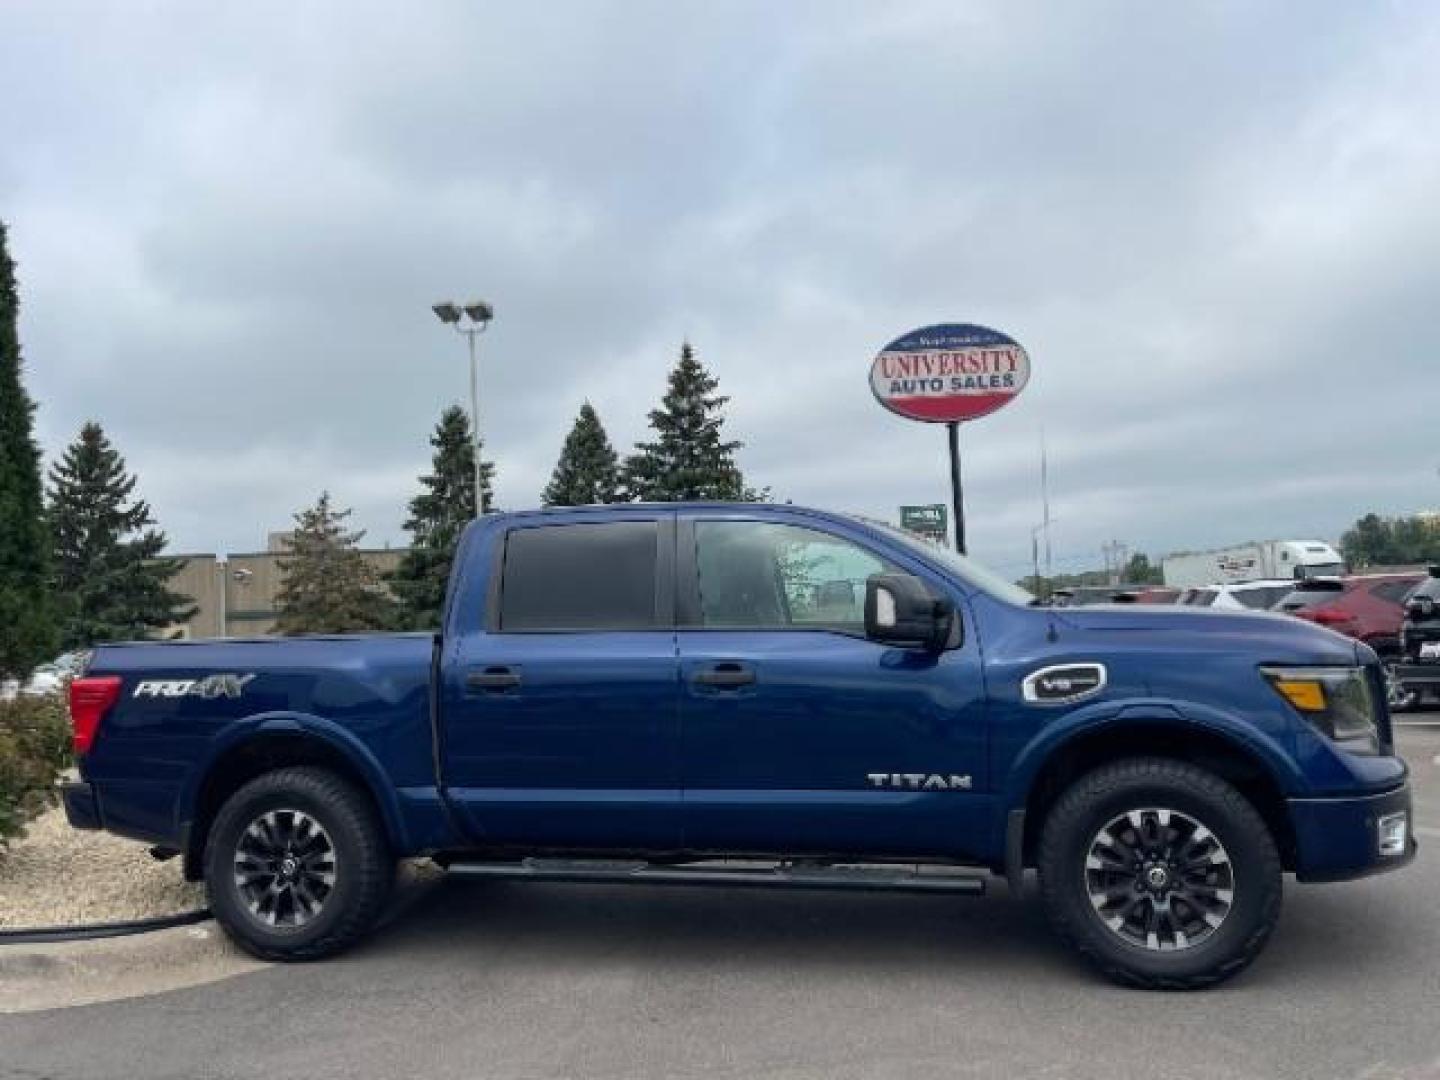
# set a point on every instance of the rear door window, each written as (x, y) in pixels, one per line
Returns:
(600, 576)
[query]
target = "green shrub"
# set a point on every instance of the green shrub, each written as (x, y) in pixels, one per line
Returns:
(34, 750)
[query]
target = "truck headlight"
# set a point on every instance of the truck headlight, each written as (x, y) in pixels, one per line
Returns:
(1338, 700)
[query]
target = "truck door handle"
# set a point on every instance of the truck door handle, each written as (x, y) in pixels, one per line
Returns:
(725, 676)
(492, 679)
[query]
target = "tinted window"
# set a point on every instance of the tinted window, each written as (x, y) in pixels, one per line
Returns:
(759, 574)
(1429, 587)
(1394, 591)
(580, 577)
(1199, 598)
(1300, 599)
(1261, 599)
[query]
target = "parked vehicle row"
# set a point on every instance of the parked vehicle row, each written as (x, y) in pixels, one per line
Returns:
(1375, 609)
(1415, 675)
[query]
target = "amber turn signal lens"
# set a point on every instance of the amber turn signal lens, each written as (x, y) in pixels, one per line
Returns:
(1306, 695)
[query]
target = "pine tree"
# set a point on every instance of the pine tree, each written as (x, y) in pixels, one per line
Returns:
(110, 580)
(438, 515)
(328, 587)
(689, 459)
(588, 470)
(27, 622)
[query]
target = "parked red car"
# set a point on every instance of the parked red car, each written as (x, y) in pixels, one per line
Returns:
(1369, 607)
(1157, 594)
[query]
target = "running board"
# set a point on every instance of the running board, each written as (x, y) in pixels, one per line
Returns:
(871, 877)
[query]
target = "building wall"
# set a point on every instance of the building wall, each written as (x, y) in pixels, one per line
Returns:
(251, 582)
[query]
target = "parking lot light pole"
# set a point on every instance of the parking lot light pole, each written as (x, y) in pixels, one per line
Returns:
(477, 314)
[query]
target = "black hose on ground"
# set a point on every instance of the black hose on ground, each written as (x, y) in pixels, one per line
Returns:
(40, 935)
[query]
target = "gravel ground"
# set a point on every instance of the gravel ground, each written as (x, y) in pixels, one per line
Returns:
(59, 876)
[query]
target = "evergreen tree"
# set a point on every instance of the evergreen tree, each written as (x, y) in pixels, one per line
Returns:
(27, 623)
(688, 459)
(438, 515)
(328, 586)
(588, 470)
(110, 580)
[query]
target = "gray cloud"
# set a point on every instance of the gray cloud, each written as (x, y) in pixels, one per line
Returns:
(1213, 228)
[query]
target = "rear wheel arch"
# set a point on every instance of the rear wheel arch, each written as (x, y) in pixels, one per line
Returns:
(1217, 753)
(267, 751)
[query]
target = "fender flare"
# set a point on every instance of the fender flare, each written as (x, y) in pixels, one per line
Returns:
(302, 725)
(1081, 723)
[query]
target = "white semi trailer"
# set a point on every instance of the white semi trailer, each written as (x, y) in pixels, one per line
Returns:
(1252, 562)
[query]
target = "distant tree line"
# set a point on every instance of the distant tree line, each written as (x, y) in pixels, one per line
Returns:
(688, 458)
(1139, 570)
(1392, 541)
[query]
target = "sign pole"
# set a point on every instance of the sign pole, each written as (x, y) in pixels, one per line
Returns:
(946, 374)
(957, 491)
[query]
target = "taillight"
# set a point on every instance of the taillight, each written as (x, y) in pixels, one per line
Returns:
(90, 700)
(1331, 616)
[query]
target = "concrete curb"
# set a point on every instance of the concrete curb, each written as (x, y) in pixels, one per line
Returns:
(53, 975)
(50, 976)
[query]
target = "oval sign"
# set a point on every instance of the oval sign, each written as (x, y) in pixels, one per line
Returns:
(950, 372)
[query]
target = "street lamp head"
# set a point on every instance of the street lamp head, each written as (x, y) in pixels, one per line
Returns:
(447, 311)
(479, 311)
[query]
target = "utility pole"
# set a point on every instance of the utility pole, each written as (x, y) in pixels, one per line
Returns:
(1045, 502)
(1114, 552)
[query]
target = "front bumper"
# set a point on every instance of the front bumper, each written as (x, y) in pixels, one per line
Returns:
(1413, 674)
(1338, 838)
(82, 804)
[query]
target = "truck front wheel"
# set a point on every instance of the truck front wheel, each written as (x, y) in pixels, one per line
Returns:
(296, 865)
(1160, 873)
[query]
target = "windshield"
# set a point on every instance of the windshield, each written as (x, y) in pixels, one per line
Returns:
(962, 566)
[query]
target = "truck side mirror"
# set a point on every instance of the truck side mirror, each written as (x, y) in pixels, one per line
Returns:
(901, 611)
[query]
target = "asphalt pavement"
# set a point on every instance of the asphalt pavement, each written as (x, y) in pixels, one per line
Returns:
(507, 980)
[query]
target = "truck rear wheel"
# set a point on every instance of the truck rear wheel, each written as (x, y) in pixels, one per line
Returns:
(1160, 873)
(296, 865)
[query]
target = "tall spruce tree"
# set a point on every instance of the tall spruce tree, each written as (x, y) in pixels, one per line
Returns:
(588, 470)
(688, 459)
(110, 581)
(27, 622)
(438, 515)
(328, 586)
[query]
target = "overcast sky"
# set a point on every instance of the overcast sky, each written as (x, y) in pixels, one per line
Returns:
(1215, 227)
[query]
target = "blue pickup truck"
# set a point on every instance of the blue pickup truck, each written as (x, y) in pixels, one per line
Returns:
(758, 695)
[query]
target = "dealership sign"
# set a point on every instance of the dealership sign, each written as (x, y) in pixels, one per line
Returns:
(949, 373)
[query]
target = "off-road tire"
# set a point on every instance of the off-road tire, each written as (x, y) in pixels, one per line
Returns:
(1097, 798)
(363, 866)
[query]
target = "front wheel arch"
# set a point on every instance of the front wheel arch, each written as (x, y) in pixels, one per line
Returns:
(1107, 743)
